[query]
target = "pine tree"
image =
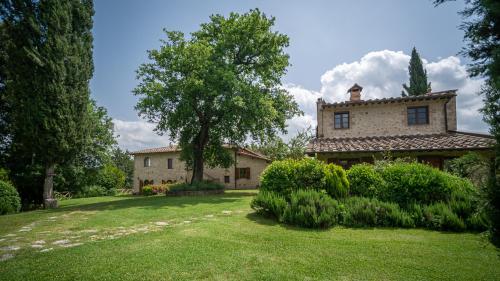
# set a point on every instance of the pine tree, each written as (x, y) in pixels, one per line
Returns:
(49, 68)
(418, 77)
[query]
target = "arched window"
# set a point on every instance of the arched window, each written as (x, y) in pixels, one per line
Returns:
(147, 162)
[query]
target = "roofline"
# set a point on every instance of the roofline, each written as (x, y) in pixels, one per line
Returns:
(432, 96)
(472, 134)
(403, 150)
(247, 152)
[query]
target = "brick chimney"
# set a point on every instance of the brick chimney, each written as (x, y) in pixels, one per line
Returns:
(355, 92)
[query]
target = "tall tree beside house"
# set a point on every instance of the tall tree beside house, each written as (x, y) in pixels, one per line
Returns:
(49, 68)
(220, 85)
(4, 106)
(482, 35)
(418, 77)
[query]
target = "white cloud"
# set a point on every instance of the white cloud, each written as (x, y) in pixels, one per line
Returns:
(381, 74)
(135, 135)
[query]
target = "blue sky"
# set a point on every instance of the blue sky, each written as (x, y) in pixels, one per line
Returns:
(331, 43)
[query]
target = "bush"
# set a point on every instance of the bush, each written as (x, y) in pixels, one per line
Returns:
(440, 216)
(471, 166)
(199, 185)
(110, 177)
(10, 202)
(154, 189)
(336, 183)
(363, 212)
(309, 208)
(287, 176)
(94, 191)
(364, 180)
(269, 204)
(4, 175)
(407, 183)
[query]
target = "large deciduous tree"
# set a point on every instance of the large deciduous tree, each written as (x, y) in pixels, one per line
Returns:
(482, 36)
(418, 77)
(49, 67)
(220, 85)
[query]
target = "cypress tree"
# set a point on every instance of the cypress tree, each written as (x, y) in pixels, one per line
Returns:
(418, 77)
(49, 68)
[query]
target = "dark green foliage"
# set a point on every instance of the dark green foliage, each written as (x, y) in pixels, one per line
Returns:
(48, 69)
(407, 183)
(286, 176)
(110, 177)
(201, 185)
(418, 77)
(4, 175)
(9, 198)
(364, 180)
(313, 209)
(336, 183)
(472, 166)
(122, 160)
(269, 204)
(222, 83)
(94, 191)
(363, 212)
(482, 36)
(440, 216)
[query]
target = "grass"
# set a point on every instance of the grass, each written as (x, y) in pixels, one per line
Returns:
(220, 238)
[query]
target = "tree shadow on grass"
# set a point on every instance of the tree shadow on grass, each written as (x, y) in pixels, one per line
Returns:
(154, 202)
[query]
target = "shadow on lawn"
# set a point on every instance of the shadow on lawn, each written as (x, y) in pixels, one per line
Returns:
(155, 202)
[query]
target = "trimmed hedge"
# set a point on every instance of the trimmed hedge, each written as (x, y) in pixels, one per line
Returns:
(10, 202)
(287, 176)
(364, 180)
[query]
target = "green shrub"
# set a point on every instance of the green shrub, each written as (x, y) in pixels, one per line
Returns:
(147, 190)
(363, 212)
(4, 175)
(269, 204)
(110, 177)
(287, 176)
(199, 185)
(336, 183)
(407, 183)
(472, 166)
(313, 209)
(10, 202)
(94, 191)
(279, 177)
(440, 216)
(364, 181)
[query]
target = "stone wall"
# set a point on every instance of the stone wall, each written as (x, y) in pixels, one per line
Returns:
(158, 171)
(368, 120)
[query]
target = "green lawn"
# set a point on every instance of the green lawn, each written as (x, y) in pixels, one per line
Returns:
(219, 238)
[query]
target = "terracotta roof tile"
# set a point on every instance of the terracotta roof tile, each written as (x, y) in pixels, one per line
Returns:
(446, 141)
(174, 148)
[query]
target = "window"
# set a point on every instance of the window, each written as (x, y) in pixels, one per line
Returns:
(242, 173)
(226, 179)
(341, 120)
(418, 115)
(170, 163)
(147, 162)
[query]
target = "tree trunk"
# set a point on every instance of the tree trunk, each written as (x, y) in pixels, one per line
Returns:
(48, 185)
(197, 165)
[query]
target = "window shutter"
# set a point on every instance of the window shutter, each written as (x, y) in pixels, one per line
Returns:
(248, 173)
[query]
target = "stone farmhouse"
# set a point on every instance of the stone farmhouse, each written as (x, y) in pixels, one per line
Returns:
(422, 127)
(162, 165)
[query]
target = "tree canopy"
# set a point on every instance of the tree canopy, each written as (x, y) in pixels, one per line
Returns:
(222, 84)
(418, 77)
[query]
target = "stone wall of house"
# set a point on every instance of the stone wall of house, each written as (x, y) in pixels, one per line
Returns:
(368, 120)
(158, 172)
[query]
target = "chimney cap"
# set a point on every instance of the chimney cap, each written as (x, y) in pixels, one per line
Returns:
(355, 87)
